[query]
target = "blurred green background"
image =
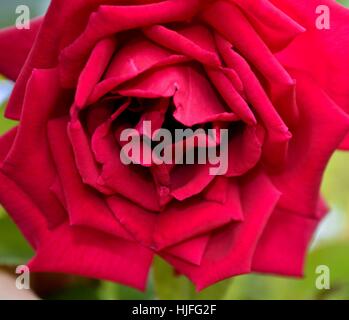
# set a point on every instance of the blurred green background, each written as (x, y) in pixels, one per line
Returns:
(330, 246)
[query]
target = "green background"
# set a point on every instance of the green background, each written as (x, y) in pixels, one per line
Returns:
(330, 246)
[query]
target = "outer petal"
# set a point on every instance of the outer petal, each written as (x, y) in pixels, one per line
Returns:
(15, 45)
(345, 143)
(322, 126)
(61, 25)
(17, 203)
(23, 211)
(29, 161)
(323, 54)
(93, 254)
(284, 244)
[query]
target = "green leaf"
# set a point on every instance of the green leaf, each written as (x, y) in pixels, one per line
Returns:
(14, 249)
(114, 291)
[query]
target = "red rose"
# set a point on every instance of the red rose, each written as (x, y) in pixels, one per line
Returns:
(259, 68)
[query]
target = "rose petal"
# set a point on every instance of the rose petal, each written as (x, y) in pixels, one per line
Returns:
(16, 44)
(61, 24)
(122, 179)
(284, 244)
(139, 222)
(233, 99)
(278, 135)
(134, 58)
(30, 155)
(230, 250)
(191, 251)
(345, 143)
(102, 24)
(94, 69)
(93, 254)
(17, 203)
(154, 114)
(200, 217)
(217, 191)
(319, 53)
(241, 34)
(85, 206)
(190, 180)
(245, 150)
(195, 100)
(321, 129)
(275, 27)
(84, 158)
(174, 41)
(23, 211)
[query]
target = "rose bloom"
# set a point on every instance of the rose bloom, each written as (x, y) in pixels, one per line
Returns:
(92, 68)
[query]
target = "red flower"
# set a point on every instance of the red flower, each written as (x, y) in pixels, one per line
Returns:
(96, 67)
